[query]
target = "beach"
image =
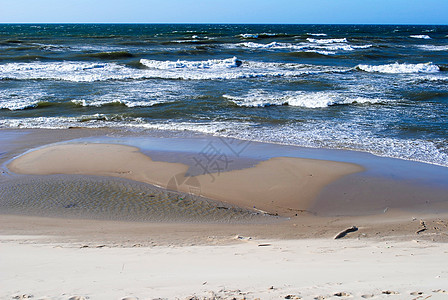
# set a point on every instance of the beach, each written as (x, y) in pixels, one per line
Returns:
(254, 250)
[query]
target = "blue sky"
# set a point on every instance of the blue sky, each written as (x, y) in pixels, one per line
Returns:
(226, 11)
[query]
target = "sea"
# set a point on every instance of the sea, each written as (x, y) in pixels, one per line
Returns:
(378, 89)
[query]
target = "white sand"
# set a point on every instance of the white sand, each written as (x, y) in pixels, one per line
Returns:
(306, 268)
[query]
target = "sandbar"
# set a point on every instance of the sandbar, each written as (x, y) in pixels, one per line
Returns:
(281, 185)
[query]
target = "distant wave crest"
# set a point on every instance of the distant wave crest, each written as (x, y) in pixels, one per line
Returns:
(421, 36)
(397, 68)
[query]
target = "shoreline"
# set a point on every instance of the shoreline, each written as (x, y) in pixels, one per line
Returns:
(370, 194)
(382, 184)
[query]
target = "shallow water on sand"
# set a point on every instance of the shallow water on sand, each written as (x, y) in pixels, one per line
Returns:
(94, 197)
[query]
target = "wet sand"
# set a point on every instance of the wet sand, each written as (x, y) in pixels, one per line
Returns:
(281, 185)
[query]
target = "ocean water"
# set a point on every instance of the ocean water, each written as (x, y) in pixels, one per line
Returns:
(380, 89)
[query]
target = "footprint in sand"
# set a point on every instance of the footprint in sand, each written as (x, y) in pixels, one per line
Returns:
(23, 296)
(342, 294)
(390, 292)
(367, 296)
(416, 293)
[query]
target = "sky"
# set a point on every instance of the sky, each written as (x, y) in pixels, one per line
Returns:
(226, 11)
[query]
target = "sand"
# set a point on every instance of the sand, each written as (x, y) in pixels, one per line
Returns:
(396, 254)
(247, 269)
(282, 185)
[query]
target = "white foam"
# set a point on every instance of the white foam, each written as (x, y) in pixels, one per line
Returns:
(183, 64)
(421, 36)
(433, 48)
(100, 103)
(397, 68)
(215, 127)
(322, 48)
(261, 98)
(249, 35)
(19, 99)
(70, 71)
(324, 134)
(230, 68)
(317, 34)
(137, 94)
(327, 41)
(256, 35)
(18, 104)
(273, 46)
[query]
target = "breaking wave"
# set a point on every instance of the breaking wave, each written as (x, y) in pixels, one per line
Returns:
(397, 68)
(231, 68)
(260, 98)
(421, 36)
(207, 64)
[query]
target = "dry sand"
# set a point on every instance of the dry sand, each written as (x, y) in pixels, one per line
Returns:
(246, 269)
(281, 185)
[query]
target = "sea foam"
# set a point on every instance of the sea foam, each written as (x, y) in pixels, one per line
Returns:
(397, 68)
(261, 98)
(433, 48)
(207, 64)
(327, 41)
(421, 36)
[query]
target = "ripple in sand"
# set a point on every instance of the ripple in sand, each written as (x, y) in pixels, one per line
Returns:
(93, 197)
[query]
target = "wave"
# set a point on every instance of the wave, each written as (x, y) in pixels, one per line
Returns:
(421, 36)
(29, 57)
(11, 42)
(433, 47)
(260, 98)
(25, 104)
(317, 34)
(327, 41)
(117, 102)
(262, 35)
(326, 134)
(208, 64)
(18, 104)
(23, 98)
(68, 71)
(305, 54)
(231, 68)
(321, 48)
(249, 35)
(397, 68)
(108, 55)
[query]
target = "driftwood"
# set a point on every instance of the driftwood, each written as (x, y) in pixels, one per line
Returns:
(422, 227)
(344, 232)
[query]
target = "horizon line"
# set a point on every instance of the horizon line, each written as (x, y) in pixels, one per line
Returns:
(215, 23)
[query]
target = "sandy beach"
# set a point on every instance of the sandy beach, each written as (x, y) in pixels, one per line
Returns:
(246, 269)
(287, 252)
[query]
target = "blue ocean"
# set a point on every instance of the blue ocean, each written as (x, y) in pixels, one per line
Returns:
(379, 89)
